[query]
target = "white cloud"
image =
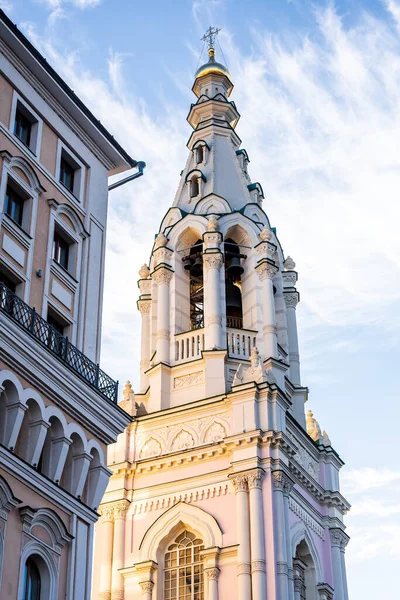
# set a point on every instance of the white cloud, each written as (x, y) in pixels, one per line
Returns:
(6, 5)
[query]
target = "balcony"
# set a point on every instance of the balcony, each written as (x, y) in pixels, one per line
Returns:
(59, 345)
(240, 342)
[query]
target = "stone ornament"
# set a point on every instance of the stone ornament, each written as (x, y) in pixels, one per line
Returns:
(128, 393)
(161, 240)
(144, 307)
(106, 513)
(339, 538)
(304, 458)
(104, 595)
(144, 272)
(282, 482)
(270, 329)
(212, 224)
(265, 234)
(214, 320)
(117, 594)
(291, 299)
(266, 271)
(147, 586)
(212, 573)
(215, 433)
(313, 428)
(187, 380)
(258, 566)
(282, 568)
(150, 449)
(120, 509)
(243, 569)
(256, 372)
(240, 483)
(289, 264)
(182, 441)
(162, 276)
(213, 260)
(255, 478)
(162, 334)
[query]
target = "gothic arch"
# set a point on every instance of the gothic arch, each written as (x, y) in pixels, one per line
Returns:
(186, 232)
(241, 229)
(299, 532)
(212, 204)
(180, 515)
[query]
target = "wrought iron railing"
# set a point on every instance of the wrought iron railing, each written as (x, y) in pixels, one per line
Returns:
(56, 343)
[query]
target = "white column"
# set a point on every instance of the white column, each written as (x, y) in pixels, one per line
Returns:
(144, 308)
(266, 272)
(339, 541)
(291, 301)
(212, 575)
(147, 590)
(105, 530)
(212, 262)
(282, 486)
(117, 588)
(244, 557)
(162, 276)
(258, 566)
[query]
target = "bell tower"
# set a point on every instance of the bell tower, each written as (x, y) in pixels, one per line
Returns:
(220, 469)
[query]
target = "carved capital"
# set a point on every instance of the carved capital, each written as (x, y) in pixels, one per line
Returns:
(282, 568)
(282, 482)
(214, 320)
(162, 275)
(291, 299)
(212, 573)
(117, 594)
(213, 260)
(106, 513)
(266, 270)
(147, 586)
(243, 568)
(254, 479)
(240, 482)
(339, 538)
(258, 566)
(120, 509)
(270, 329)
(144, 307)
(265, 249)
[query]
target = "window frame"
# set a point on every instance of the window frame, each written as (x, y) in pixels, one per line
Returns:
(20, 105)
(65, 154)
(185, 565)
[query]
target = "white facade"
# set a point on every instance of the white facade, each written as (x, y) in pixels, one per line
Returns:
(220, 454)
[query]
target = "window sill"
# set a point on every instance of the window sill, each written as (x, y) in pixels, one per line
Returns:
(64, 275)
(25, 145)
(69, 191)
(15, 229)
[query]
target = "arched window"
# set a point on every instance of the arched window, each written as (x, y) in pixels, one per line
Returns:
(32, 583)
(194, 266)
(304, 575)
(194, 186)
(183, 569)
(199, 154)
(233, 285)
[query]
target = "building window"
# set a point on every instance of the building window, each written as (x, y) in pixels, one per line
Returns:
(194, 186)
(22, 127)
(199, 154)
(67, 174)
(14, 205)
(233, 285)
(183, 572)
(61, 249)
(32, 583)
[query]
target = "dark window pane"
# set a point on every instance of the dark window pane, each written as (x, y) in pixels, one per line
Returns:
(14, 205)
(67, 173)
(31, 590)
(60, 250)
(22, 128)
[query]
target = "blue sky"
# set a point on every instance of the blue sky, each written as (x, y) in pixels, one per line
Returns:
(318, 87)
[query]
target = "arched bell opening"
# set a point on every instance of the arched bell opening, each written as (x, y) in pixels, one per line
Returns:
(233, 284)
(304, 574)
(193, 264)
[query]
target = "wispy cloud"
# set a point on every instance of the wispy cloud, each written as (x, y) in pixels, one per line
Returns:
(6, 5)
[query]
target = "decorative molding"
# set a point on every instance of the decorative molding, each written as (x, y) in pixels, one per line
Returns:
(304, 458)
(151, 448)
(239, 482)
(294, 357)
(289, 278)
(117, 594)
(282, 482)
(339, 538)
(120, 509)
(212, 573)
(105, 595)
(258, 566)
(291, 299)
(162, 275)
(213, 260)
(147, 586)
(182, 441)
(189, 497)
(306, 518)
(187, 380)
(270, 329)
(266, 271)
(215, 433)
(144, 307)
(243, 569)
(214, 320)
(254, 479)
(162, 334)
(282, 568)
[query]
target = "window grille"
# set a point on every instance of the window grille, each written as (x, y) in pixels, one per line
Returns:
(183, 573)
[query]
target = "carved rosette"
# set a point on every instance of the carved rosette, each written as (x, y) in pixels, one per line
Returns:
(282, 482)
(144, 307)
(212, 573)
(240, 483)
(162, 276)
(213, 260)
(254, 479)
(339, 538)
(291, 299)
(147, 586)
(266, 271)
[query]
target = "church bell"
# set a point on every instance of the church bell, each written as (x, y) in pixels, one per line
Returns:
(234, 270)
(233, 297)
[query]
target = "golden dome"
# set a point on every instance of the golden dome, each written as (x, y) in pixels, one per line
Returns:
(211, 67)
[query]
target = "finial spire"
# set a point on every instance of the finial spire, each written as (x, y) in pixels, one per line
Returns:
(210, 36)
